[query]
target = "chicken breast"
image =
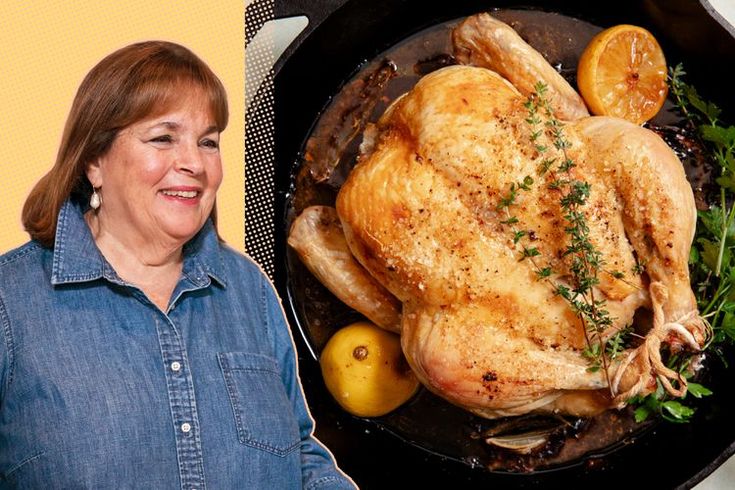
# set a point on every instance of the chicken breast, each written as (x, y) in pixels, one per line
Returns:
(420, 213)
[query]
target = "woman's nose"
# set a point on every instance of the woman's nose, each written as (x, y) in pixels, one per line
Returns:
(189, 159)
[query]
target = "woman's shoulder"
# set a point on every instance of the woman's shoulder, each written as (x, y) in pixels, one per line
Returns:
(25, 269)
(28, 254)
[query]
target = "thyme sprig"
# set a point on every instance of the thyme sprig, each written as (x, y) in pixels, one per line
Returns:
(584, 260)
(504, 205)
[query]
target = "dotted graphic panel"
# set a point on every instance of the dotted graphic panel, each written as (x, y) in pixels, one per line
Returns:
(259, 141)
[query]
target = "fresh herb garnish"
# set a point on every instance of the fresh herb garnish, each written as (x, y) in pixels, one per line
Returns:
(711, 261)
(658, 403)
(711, 264)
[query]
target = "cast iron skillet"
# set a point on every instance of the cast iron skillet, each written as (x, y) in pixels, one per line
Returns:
(340, 37)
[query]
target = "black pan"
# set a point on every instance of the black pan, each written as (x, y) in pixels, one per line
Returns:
(340, 37)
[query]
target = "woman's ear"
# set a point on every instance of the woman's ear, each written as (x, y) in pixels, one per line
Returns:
(94, 173)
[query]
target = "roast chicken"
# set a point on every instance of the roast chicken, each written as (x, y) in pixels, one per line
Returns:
(418, 219)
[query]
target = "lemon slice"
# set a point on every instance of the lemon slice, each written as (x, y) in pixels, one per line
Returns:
(365, 371)
(622, 73)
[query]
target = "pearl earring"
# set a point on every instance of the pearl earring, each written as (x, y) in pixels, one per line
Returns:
(95, 200)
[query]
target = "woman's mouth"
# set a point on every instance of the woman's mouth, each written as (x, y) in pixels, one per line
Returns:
(186, 196)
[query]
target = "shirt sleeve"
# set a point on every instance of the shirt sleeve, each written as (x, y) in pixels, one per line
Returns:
(318, 468)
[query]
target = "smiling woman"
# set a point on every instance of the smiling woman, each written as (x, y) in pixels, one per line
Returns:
(128, 89)
(161, 354)
(158, 182)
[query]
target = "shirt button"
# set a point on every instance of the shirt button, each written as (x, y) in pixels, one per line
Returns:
(176, 366)
(186, 427)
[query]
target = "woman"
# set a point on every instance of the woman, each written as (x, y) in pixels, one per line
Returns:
(137, 349)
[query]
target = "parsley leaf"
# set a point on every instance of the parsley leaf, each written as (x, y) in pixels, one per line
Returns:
(674, 411)
(697, 390)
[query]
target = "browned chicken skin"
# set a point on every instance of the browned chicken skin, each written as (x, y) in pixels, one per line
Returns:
(420, 213)
(482, 40)
(317, 237)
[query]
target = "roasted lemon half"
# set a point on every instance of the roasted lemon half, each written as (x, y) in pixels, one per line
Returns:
(622, 73)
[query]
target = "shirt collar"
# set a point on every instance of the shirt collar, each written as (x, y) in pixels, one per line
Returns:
(77, 258)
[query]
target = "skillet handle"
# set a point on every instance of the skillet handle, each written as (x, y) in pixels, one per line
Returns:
(314, 10)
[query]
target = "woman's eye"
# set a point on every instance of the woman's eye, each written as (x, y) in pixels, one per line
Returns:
(208, 143)
(162, 139)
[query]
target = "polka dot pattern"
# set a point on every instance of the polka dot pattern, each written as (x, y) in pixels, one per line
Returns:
(259, 141)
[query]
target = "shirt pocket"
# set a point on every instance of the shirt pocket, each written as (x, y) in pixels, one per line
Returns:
(263, 414)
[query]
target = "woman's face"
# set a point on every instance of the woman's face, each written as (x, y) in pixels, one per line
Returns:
(159, 179)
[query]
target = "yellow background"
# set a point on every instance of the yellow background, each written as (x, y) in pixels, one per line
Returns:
(48, 46)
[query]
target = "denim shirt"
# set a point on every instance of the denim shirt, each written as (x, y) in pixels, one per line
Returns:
(99, 388)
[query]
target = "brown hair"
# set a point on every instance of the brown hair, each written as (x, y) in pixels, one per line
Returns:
(126, 86)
